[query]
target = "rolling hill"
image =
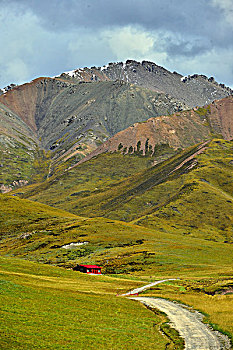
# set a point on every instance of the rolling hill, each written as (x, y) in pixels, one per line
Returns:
(190, 193)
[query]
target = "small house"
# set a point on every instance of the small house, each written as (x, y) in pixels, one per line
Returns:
(90, 269)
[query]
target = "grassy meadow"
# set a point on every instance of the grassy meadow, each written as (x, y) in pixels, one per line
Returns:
(45, 307)
(38, 232)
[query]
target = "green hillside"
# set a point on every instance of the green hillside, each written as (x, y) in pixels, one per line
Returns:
(53, 308)
(189, 194)
(38, 232)
(46, 307)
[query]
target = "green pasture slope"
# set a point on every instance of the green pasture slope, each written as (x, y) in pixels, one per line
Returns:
(38, 232)
(192, 197)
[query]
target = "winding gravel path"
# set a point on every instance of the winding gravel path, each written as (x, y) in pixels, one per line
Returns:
(197, 335)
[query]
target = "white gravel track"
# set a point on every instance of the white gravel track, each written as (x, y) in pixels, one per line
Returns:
(196, 334)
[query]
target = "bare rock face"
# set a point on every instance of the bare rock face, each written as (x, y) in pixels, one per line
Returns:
(76, 117)
(68, 120)
(29, 101)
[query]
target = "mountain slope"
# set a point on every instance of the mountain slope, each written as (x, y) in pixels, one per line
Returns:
(30, 101)
(18, 148)
(179, 130)
(52, 108)
(70, 120)
(73, 114)
(50, 124)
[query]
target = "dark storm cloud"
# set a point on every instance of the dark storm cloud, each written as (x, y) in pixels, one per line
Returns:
(87, 32)
(152, 14)
(189, 48)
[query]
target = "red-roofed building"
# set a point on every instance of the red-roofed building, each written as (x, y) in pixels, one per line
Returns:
(91, 269)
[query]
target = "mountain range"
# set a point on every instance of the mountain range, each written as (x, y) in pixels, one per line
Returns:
(51, 124)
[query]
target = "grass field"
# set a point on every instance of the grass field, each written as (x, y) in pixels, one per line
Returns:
(45, 307)
(38, 232)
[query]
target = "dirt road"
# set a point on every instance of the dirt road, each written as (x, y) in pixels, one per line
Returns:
(197, 335)
(147, 286)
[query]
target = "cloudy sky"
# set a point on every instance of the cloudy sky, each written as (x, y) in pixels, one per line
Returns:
(47, 37)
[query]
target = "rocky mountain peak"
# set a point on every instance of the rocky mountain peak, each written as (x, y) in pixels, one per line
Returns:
(193, 90)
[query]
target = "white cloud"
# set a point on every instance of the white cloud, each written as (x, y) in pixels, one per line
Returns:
(28, 50)
(227, 7)
(17, 69)
(19, 48)
(86, 48)
(129, 42)
(135, 43)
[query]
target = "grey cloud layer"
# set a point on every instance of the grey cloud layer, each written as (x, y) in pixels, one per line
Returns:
(199, 18)
(185, 29)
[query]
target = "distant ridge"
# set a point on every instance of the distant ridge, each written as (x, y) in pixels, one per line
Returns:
(193, 90)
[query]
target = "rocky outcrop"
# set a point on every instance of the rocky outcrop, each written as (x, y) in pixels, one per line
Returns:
(7, 88)
(15, 184)
(221, 117)
(5, 188)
